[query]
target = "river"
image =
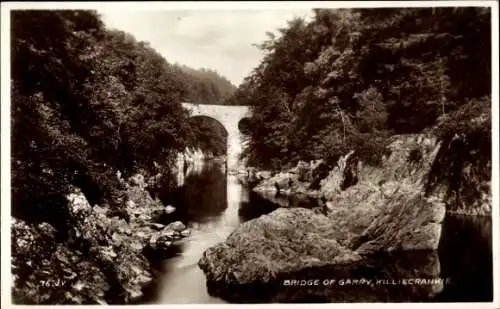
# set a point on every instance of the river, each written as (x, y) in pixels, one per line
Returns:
(213, 204)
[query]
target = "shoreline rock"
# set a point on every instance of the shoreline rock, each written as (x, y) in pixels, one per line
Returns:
(106, 258)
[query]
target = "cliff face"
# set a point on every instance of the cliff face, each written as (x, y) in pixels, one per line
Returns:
(389, 201)
(367, 210)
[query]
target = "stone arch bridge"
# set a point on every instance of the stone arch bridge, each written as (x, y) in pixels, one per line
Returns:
(228, 116)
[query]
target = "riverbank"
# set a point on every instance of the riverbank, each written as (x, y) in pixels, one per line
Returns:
(365, 211)
(103, 259)
(413, 160)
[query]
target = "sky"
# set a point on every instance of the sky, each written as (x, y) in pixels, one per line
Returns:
(216, 39)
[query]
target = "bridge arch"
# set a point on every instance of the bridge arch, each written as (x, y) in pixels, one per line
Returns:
(217, 137)
(229, 116)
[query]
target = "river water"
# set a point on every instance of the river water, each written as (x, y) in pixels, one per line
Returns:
(213, 204)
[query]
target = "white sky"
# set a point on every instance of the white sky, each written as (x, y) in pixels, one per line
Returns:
(216, 39)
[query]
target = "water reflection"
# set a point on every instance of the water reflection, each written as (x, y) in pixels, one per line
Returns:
(203, 195)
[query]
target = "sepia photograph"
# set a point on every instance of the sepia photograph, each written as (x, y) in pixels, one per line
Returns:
(230, 154)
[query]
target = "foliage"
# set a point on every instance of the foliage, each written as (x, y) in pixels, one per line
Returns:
(350, 78)
(211, 137)
(50, 108)
(205, 86)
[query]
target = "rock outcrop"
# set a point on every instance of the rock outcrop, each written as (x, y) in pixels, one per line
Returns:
(384, 278)
(103, 261)
(370, 211)
(297, 180)
(47, 272)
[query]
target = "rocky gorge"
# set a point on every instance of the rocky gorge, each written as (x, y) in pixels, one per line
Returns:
(365, 212)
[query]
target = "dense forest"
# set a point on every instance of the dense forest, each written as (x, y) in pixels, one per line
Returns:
(89, 101)
(351, 78)
(205, 86)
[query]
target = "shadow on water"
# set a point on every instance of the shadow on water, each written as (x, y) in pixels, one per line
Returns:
(264, 203)
(213, 204)
(465, 252)
(255, 207)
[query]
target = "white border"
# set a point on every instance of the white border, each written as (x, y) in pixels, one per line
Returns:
(148, 6)
(5, 157)
(236, 5)
(495, 184)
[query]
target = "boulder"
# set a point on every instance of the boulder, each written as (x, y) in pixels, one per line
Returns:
(337, 178)
(263, 174)
(177, 226)
(303, 171)
(369, 280)
(137, 180)
(283, 241)
(407, 221)
(132, 271)
(284, 181)
(319, 171)
(118, 245)
(78, 203)
(105, 253)
(160, 242)
(141, 206)
(289, 240)
(169, 209)
(156, 226)
(115, 258)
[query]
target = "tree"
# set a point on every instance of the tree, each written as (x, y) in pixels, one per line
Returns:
(350, 77)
